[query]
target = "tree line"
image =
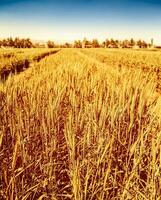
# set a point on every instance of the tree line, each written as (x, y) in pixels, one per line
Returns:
(16, 43)
(111, 43)
(25, 43)
(108, 43)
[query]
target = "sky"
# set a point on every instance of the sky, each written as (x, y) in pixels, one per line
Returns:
(68, 20)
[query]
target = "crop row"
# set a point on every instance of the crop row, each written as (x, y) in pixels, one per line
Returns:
(11, 63)
(149, 62)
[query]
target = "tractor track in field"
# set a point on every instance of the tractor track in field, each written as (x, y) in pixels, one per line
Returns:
(21, 66)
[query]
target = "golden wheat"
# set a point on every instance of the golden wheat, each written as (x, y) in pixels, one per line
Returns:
(74, 127)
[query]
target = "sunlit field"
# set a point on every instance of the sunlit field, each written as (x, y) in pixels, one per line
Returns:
(80, 124)
(15, 61)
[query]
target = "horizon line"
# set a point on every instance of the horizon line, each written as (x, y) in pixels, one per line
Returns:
(81, 39)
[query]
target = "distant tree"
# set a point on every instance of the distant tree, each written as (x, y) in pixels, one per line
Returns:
(22, 43)
(132, 42)
(139, 43)
(85, 42)
(77, 44)
(4, 42)
(17, 43)
(114, 43)
(67, 45)
(50, 44)
(144, 44)
(117, 43)
(27, 43)
(10, 42)
(103, 44)
(107, 43)
(95, 43)
(126, 43)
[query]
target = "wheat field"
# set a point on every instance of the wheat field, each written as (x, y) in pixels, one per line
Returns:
(82, 124)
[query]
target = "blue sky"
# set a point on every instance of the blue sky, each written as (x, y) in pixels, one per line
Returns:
(67, 20)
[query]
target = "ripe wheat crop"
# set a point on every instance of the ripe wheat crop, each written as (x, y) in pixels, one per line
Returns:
(82, 125)
(14, 61)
